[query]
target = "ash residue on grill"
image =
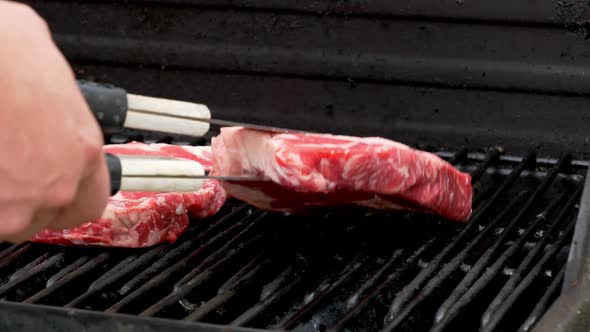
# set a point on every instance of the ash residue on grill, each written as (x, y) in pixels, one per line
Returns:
(349, 270)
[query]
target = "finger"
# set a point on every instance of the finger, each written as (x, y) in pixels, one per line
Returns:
(90, 201)
(14, 220)
(40, 221)
(19, 224)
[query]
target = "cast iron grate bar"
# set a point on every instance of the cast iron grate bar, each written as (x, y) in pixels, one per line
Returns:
(464, 294)
(488, 161)
(66, 271)
(408, 292)
(250, 268)
(125, 268)
(84, 269)
(227, 292)
(283, 284)
(368, 286)
(531, 256)
(25, 269)
(14, 255)
(240, 276)
(327, 286)
(491, 158)
(12, 248)
(169, 272)
(397, 315)
(544, 303)
(368, 291)
(495, 269)
(483, 261)
(23, 275)
(222, 252)
(187, 245)
(499, 314)
(202, 274)
(399, 311)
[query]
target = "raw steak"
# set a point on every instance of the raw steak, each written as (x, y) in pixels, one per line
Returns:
(142, 219)
(301, 172)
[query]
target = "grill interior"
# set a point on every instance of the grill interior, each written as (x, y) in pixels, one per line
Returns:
(449, 73)
(349, 270)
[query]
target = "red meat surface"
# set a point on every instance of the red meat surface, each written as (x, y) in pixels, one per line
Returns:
(300, 172)
(143, 219)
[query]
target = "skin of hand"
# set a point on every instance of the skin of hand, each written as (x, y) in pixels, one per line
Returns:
(53, 173)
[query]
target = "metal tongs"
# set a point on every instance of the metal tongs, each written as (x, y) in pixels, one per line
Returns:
(116, 110)
(159, 174)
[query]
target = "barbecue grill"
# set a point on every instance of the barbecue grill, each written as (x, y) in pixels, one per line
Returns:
(496, 88)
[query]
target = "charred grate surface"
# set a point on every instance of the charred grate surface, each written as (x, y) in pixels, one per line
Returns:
(344, 271)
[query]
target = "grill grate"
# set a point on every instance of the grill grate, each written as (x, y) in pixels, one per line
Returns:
(347, 270)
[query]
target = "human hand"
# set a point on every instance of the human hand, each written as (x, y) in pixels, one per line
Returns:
(53, 173)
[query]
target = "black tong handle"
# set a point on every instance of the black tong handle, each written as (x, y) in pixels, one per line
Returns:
(115, 172)
(109, 106)
(108, 103)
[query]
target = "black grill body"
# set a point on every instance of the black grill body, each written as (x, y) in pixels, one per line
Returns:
(499, 90)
